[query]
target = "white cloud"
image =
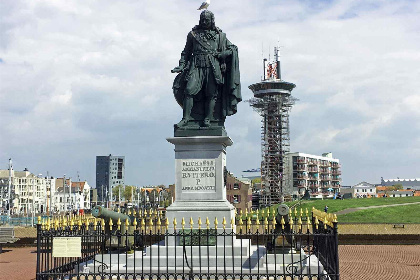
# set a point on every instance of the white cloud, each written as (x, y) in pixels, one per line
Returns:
(83, 78)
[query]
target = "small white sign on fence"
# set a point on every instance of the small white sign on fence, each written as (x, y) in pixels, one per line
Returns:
(67, 247)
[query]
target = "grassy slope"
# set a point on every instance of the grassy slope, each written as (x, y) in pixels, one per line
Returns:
(335, 205)
(397, 214)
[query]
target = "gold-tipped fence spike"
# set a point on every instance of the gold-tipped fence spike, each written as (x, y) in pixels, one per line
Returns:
(241, 213)
(150, 222)
(249, 221)
(268, 211)
(119, 224)
(56, 224)
(143, 224)
(158, 223)
(207, 222)
(232, 222)
(199, 222)
(166, 223)
(290, 211)
(325, 223)
(262, 213)
(39, 220)
(103, 224)
(135, 223)
(87, 223)
(266, 223)
(307, 212)
(127, 222)
(301, 212)
(215, 222)
(183, 223)
(118, 210)
(174, 222)
(282, 222)
(246, 212)
(295, 212)
(257, 222)
(224, 223)
(335, 218)
(129, 212)
(291, 221)
(191, 222)
(257, 212)
(110, 223)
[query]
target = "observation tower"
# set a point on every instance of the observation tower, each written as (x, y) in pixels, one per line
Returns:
(273, 100)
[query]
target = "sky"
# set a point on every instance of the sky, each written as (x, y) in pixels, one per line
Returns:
(85, 78)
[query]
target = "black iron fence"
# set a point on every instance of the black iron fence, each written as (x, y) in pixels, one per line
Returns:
(151, 247)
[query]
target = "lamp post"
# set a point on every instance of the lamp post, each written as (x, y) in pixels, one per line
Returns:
(64, 192)
(33, 197)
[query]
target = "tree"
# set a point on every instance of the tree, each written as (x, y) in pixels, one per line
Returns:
(117, 191)
(129, 193)
(397, 187)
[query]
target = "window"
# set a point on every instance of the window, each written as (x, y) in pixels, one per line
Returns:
(236, 186)
(370, 190)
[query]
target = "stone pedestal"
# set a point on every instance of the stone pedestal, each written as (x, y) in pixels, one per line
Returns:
(200, 190)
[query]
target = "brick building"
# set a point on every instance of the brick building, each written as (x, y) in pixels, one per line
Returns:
(239, 193)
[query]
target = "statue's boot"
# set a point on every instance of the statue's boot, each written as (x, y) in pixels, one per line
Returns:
(209, 112)
(188, 104)
(182, 123)
(206, 122)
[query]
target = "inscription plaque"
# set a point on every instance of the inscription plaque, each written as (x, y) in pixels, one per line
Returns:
(198, 175)
(67, 247)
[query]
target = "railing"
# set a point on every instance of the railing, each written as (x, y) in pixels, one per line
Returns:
(253, 245)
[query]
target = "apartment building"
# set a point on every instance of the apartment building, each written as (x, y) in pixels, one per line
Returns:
(110, 172)
(28, 191)
(321, 175)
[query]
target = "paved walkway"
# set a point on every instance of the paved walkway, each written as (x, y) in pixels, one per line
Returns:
(375, 262)
(351, 210)
(362, 262)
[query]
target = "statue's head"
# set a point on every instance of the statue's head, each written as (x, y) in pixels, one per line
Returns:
(207, 20)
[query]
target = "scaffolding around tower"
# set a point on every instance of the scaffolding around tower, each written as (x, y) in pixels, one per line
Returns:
(273, 101)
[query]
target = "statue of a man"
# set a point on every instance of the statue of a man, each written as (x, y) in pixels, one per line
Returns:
(208, 86)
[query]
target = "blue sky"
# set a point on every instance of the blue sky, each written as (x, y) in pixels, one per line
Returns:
(87, 78)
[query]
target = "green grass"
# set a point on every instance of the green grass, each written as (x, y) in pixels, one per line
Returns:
(335, 205)
(406, 214)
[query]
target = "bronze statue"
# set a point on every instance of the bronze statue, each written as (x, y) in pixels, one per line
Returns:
(208, 84)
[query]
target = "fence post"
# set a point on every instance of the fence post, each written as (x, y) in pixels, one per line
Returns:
(335, 230)
(38, 250)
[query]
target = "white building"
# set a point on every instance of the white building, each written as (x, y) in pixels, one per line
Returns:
(71, 196)
(29, 192)
(321, 175)
(364, 189)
